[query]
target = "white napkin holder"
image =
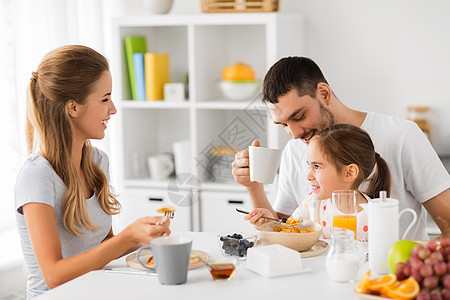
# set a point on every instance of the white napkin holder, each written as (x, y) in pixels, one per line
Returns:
(274, 260)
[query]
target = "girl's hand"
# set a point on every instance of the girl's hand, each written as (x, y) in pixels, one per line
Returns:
(255, 216)
(145, 229)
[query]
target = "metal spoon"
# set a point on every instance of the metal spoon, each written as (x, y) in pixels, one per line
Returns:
(264, 217)
(204, 261)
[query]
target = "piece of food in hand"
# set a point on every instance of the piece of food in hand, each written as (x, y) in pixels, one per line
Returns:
(166, 209)
(239, 72)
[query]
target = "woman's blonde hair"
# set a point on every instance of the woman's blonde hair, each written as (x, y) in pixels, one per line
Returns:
(67, 73)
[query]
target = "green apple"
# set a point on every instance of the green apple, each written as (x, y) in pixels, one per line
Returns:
(400, 252)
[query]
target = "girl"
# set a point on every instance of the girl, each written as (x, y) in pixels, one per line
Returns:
(63, 200)
(341, 157)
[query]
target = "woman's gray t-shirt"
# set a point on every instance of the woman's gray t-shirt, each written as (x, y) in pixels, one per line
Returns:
(37, 182)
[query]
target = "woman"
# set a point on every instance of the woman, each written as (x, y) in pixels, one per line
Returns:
(63, 200)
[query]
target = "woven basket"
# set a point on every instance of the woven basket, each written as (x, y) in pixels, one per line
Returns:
(232, 6)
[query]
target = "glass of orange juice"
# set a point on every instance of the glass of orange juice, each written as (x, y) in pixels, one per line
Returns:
(344, 209)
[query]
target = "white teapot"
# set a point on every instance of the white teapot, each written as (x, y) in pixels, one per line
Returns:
(384, 230)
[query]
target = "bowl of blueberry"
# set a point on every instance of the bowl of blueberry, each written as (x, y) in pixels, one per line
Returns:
(236, 244)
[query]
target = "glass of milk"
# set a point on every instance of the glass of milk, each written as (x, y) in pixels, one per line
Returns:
(345, 256)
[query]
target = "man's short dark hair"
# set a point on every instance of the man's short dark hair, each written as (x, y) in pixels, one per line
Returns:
(293, 72)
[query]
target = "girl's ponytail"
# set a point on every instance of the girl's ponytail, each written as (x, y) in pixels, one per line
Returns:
(380, 180)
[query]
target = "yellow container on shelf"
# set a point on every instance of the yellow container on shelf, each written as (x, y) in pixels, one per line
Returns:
(157, 74)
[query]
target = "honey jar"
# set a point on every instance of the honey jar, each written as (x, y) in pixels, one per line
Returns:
(419, 115)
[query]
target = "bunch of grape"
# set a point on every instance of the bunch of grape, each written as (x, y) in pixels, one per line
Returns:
(430, 266)
(235, 245)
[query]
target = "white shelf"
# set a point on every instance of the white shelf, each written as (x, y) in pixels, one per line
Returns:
(154, 104)
(206, 186)
(205, 105)
(199, 45)
(207, 19)
(230, 105)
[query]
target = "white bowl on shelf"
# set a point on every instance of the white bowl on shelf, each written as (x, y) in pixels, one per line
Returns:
(158, 6)
(239, 90)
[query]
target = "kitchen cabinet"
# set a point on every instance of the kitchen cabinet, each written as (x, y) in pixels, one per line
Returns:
(218, 212)
(141, 202)
(199, 47)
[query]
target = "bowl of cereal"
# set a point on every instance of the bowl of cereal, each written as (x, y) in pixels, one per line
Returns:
(299, 237)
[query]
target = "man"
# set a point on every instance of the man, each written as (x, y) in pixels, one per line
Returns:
(300, 100)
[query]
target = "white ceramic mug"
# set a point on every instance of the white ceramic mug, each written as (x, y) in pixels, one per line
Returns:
(160, 166)
(263, 163)
(183, 157)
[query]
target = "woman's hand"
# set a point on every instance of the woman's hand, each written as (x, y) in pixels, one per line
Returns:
(255, 216)
(145, 229)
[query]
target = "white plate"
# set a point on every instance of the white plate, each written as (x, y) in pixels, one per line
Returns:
(371, 297)
(146, 254)
(318, 248)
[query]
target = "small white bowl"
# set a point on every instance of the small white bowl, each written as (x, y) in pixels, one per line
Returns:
(239, 90)
(158, 6)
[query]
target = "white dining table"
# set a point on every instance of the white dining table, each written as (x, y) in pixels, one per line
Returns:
(245, 284)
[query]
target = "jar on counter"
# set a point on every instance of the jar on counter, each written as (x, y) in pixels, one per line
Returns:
(420, 115)
(345, 256)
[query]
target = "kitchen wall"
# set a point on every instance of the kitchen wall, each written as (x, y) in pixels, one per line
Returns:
(380, 56)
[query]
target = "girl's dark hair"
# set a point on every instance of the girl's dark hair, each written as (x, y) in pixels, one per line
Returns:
(299, 73)
(345, 144)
